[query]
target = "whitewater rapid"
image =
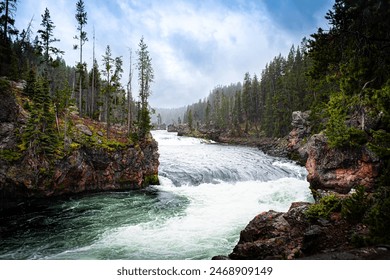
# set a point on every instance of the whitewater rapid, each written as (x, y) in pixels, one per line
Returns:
(208, 194)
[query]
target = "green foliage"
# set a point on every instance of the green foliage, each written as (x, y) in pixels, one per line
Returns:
(5, 86)
(381, 137)
(261, 104)
(113, 72)
(337, 131)
(378, 217)
(151, 180)
(190, 120)
(355, 207)
(133, 137)
(144, 123)
(323, 208)
(145, 78)
(40, 134)
(46, 41)
(10, 155)
(351, 64)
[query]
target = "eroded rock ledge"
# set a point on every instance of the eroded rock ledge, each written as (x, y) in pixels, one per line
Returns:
(331, 169)
(89, 164)
(339, 169)
(275, 236)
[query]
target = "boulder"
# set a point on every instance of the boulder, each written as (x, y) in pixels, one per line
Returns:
(84, 129)
(273, 235)
(171, 128)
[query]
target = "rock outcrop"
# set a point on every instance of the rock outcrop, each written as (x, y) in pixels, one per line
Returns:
(84, 167)
(339, 169)
(334, 169)
(298, 136)
(275, 235)
(171, 128)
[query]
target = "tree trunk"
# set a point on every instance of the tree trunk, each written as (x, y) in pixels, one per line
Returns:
(81, 69)
(6, 20)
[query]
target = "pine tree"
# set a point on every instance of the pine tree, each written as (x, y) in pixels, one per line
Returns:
(130, 95)
(208, 114)
(246, 99)
(112, 69)
(81, 17)
(40, 134)
(7, 21)
(95, 85)
(145, 78)
(8, 59)
(46, 41)
(190, 120)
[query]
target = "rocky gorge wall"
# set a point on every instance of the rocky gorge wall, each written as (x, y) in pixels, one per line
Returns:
(84, 168)
(331, 171)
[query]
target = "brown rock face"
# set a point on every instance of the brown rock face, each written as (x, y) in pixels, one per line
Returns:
(84, 170)
(88, 168)
(296, 138)
(339, 169)
(273, 235)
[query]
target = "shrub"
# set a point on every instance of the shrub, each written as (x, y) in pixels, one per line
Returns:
(355, 207)
(323, 208)
(378, 217)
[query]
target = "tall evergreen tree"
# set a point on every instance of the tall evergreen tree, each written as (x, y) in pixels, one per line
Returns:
(112, 70)
(145, 78)
(81, 17)
(246, 99)
(8, 58)
(130, 94)
(95, 85)
(46, 41)
(40, 134)
(7, 20)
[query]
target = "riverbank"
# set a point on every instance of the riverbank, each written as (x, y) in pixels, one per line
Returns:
(277, 147)
(291, 235)
(78, 157)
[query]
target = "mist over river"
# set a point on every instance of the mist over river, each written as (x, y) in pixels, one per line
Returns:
(208, 194)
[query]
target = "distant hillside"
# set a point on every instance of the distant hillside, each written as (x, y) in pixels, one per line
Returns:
(169, 116)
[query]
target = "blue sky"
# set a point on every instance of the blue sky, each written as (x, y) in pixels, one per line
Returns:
(194, 45)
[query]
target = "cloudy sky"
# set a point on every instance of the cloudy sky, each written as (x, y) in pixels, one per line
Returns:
(195, 45)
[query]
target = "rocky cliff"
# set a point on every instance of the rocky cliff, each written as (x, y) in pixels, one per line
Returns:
(290, 235)
(90, 164)
(331, 169)
(331, 172)
(340, 169)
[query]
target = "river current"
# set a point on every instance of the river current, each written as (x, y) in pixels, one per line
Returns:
(208, 194)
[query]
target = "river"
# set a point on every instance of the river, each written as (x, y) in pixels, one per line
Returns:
(208, 194)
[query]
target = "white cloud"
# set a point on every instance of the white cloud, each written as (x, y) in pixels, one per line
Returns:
(194, 45)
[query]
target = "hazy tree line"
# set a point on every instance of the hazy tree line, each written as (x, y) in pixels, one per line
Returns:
(94, 91)
(260, 104)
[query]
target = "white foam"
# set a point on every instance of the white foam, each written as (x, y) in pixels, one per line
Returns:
(211, 222)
